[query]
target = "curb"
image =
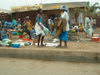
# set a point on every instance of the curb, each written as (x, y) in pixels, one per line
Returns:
(73, 56)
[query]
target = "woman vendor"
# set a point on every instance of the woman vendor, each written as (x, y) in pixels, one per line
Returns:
(64, 35)
(88, 28)
(39, 28)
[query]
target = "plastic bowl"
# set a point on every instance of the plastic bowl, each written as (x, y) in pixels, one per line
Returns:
(27, 40)
(15, 45)
(95, 39)
(4, 37)
(14, 33)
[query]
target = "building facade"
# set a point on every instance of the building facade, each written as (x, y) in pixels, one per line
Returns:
(51, 9)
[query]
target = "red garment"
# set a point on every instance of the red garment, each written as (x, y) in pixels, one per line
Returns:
(92, 23)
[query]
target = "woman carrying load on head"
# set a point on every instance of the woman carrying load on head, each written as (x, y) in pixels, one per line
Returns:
(64, 35)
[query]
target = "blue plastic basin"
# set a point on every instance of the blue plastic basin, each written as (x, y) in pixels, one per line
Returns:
(15, 45)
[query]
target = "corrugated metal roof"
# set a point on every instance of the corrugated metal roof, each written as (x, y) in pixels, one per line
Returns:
(51, 6)
(68, 4)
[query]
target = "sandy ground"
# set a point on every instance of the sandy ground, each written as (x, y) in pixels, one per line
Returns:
(11, 66)
(73, 46)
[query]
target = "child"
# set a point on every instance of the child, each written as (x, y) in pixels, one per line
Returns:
(20, 33)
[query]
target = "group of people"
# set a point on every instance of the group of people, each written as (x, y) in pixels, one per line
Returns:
(41, 30)
(16, 26)
(39, 27)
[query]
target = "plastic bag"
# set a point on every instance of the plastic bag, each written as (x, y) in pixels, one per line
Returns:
(46, 31)
(27, 43)
(6, 42)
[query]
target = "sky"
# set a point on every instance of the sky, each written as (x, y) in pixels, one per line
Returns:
(7, 4)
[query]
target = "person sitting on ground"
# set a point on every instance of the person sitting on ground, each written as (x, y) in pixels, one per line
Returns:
(28, 26)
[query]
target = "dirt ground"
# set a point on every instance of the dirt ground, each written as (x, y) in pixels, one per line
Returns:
(82, 44)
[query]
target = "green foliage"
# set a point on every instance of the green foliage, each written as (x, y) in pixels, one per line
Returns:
(92, 9)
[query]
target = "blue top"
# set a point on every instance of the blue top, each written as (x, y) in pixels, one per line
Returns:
(40, 19)
(5, 23)
(14, 22)
(10, 23)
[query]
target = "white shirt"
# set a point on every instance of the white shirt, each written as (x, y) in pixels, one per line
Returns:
(66, 16)
(49, 21)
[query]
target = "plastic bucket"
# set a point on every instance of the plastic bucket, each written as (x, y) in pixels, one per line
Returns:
(15, 45)
(14, 33)
(27, 40)
(4, 37)
(95, 39)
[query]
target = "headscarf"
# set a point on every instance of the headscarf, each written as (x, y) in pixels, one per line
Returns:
(63, 7)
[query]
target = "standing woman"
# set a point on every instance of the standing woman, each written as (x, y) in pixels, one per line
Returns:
(14, 23)
(88, 28)
(64, 35)
(39, 27)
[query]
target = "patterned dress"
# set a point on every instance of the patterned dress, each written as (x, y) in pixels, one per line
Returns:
(88, 28)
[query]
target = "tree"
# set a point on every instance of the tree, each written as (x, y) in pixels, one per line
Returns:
(91, 9)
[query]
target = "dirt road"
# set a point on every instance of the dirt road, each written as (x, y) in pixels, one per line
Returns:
(11, 66)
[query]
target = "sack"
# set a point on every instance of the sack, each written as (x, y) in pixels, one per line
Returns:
(57, 33)
(46, 31)
(6, 42)
(64, 23)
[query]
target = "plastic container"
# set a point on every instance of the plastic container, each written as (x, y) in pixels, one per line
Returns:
(27, 40)
(14, 33)
(4, 37)
(20, 36)
(15, 45)
(95, 39)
